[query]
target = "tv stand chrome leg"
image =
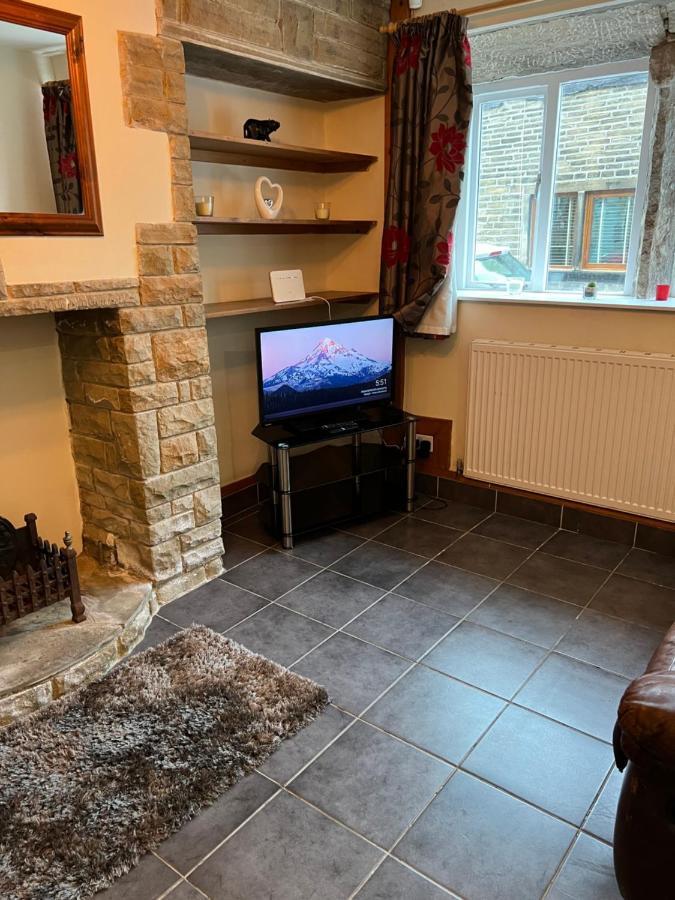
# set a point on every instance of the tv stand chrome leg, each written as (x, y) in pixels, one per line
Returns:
(284, 472)
(411, 450)
(274, 486)
(356, 462)
(274, 479)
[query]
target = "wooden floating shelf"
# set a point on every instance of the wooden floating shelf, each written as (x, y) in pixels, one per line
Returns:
(205, 147)
(266, 304)
(210, 225)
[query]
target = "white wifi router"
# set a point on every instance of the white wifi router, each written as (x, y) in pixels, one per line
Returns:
(287, 285)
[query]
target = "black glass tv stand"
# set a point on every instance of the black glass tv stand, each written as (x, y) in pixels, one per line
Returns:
(327, 483)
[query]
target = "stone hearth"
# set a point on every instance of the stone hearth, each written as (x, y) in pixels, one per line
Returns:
(45, 655)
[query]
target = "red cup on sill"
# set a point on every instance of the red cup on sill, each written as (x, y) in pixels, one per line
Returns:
(662, 291)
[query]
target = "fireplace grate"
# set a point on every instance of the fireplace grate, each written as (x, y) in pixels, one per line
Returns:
(34, 573)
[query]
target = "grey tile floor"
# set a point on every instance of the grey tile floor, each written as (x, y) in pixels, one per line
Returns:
(475, 661)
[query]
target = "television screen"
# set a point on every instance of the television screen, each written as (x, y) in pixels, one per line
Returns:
(315, 368)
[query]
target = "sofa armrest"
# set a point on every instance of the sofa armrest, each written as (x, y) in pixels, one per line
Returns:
(663, 658)
(646, 722)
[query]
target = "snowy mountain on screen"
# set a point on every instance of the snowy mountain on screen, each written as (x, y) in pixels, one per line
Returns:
(328, 365)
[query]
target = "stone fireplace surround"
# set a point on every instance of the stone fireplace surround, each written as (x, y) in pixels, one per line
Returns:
(135, 368)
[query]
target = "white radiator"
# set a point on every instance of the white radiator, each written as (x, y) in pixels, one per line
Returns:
(597, 426)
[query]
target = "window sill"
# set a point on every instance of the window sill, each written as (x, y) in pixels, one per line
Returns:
(551, 298)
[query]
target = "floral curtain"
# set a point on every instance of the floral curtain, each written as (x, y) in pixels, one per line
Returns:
(430, 114)
(57, 107)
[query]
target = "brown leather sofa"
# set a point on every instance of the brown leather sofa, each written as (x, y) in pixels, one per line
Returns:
(644, 745)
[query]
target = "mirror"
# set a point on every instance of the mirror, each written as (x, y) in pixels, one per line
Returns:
(47, 170)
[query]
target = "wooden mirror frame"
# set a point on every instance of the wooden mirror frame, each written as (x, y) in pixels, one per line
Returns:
(89, 220)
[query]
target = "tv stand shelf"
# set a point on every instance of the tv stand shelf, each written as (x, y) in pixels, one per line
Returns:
(331, 464)
(334, 483)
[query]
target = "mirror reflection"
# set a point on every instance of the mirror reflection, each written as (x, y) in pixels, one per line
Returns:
(38, 150)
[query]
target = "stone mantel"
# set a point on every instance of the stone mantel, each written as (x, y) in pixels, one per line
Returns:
(304, 48)
(62, 296)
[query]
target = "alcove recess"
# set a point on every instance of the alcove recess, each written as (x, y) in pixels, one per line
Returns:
(324, 150)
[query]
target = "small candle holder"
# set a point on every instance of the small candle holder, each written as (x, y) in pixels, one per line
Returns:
(204, 205)
(662, 291)
(322, 210)
(514, 286)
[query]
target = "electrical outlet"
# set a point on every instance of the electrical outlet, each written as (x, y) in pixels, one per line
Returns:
(437, 436)
(427, 437)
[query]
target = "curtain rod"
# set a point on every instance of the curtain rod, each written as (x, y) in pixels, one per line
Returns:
(391, 27)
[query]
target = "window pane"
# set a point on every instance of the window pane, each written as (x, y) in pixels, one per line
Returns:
(609, 230)
(510, 138)
(563, 230)
(599, 143)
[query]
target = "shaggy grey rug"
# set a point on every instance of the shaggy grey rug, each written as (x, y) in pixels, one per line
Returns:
(93, 781)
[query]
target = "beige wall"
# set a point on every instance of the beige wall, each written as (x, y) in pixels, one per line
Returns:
(238, 267)
(133, 170)
(437, 373)
(36, 468)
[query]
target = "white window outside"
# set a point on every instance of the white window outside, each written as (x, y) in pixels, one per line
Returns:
(556, 181)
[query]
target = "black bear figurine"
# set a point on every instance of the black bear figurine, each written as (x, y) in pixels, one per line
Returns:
(259, 129)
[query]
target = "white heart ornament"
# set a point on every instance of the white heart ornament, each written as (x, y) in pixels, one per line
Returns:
(268, 208)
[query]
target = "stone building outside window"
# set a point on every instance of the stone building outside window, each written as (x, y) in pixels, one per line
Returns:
(556, 180)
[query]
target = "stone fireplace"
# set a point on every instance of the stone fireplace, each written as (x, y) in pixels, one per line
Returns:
(139, 393)
(135, 368)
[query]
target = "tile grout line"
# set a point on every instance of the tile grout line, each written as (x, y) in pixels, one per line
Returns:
(320, 571)
(365, 541)
(392, 590)
(459, 766)
(420, 660)
(403, 741)
(590, 809)
(582, 609)
(386, 591)
(227, 838)
(403, 674)
(358, 717)
(548, 655)
(368, 840)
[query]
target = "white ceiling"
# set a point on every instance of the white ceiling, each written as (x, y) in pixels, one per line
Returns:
(22, 38)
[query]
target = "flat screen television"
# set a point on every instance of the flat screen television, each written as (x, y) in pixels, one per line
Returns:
(315, 370)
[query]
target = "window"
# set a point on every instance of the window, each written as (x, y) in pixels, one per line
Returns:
(556, 181)
(563, 231)
(607, 223)
(511, 137)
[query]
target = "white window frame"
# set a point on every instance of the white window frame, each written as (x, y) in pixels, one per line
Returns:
(546, 86)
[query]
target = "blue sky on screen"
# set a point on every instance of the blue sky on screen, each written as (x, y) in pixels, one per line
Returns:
(285, 348)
